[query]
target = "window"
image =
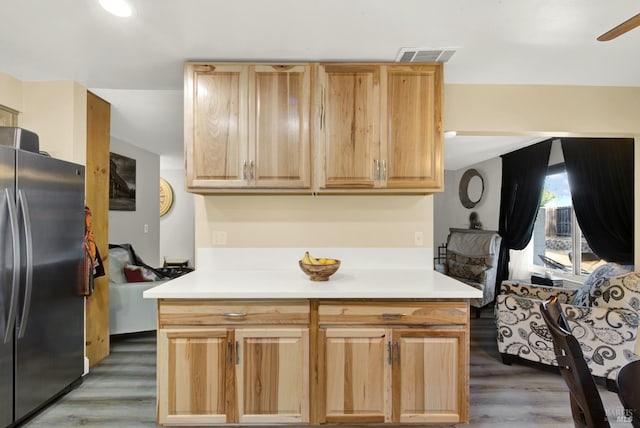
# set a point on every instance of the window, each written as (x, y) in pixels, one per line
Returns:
(557, 240)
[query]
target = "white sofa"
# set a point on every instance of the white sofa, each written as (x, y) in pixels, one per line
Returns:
(128, 311)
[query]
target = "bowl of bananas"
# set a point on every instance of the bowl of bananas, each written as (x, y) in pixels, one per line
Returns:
(318, 269)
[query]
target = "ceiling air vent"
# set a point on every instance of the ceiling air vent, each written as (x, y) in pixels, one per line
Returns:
(424, 55)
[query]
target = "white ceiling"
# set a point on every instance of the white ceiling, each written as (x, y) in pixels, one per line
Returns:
(136, 63)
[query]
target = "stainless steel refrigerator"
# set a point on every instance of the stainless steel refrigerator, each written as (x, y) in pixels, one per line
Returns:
(41, 259)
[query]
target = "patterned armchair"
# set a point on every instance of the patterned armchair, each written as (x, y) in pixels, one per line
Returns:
(603, 315)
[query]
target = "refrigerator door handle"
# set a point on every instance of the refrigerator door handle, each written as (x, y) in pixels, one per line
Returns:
(28, 239)
(13, 220)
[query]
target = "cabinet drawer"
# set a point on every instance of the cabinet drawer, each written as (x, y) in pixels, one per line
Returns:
(394, 313)
(218, 312)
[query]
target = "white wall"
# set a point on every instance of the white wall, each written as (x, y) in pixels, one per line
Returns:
(127, 227)
(177, 226)
(449, 211)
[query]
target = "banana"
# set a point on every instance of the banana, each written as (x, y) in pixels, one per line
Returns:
(306, 259)
(313, 260)
(310, 260)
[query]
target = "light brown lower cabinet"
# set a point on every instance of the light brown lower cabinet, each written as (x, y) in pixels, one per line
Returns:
(392, 375)
(356, 374)
(311, 362)
(195, 382)
(428, 381)
(244, 375)
(272, 375)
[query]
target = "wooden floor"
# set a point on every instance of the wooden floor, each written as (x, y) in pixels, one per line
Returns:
(120, 392)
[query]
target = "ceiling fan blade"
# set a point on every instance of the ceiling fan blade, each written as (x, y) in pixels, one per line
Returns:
(627, 25)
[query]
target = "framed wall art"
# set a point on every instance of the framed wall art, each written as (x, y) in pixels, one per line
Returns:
(122, 183)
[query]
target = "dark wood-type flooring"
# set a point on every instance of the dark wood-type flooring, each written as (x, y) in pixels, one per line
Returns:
(120, 391)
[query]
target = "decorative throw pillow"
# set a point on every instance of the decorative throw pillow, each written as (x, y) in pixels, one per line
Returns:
(138, 274)
(622, 291)
(481, 260)
(118, 259)
(468, 271)
(596, 280)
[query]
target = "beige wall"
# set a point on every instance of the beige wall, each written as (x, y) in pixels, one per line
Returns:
(314, 221)
(56, 111)
(305, 221)
(540, 110)
(549, 110)
(10, 92)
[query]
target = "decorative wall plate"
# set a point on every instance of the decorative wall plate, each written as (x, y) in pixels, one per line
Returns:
(166, 197)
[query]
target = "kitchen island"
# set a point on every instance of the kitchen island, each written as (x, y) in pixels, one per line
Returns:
(385, 340)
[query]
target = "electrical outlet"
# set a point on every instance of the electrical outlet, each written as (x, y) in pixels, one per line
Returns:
(418, 239)
(219, 237)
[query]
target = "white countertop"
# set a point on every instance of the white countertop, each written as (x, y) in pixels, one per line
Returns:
(388, 274)
(292, 284)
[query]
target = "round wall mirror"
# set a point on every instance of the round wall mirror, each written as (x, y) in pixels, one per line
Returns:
(471, 188)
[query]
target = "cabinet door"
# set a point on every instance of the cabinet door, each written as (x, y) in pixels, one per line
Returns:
(272, 371)
(195, 376)
(279, 126)
(349, 125)
(216, 131)
(357, 373)
(430, 376)
(413, 134)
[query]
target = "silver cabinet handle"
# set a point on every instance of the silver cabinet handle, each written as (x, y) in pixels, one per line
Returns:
(234, 314)
(228, 352)
(237, 352)
(322, 110)
(251, 170)
(390, 350)
(398, 352)
(244, 170)
(384, 169)
(376, 169)
(15, 280)
(26, 304)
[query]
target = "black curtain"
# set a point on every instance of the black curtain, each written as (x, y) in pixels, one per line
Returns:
(601, 180)
(523, 175)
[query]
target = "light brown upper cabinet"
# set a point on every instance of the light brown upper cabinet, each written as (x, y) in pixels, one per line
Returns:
(358, 127)
(379, 127)
(247, 126)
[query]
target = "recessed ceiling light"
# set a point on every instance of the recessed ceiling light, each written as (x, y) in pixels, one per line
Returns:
(117, 7)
